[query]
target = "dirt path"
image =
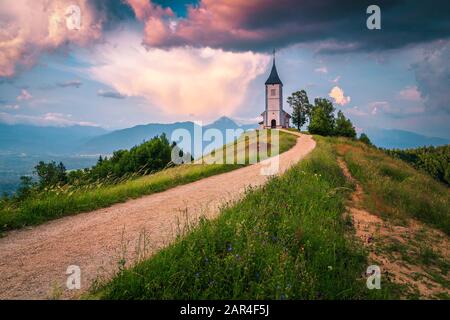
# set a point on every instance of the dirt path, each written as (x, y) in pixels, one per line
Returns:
(33, 262)
(394, 247)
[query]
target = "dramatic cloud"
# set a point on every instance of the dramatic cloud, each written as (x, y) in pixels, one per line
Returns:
(30, 28)
(338, 96)
(433, 78)
(110, 94)
(24, 95)
(181, 81)
(70, 83)
(264, 24)
(48, 119)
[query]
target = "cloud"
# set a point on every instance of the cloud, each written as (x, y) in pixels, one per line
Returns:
(70, 83)
(10, 107)
(410, 94)
(338, 95)
(321, 70)
(264, 24)
(24, 95)
(47, 119)
(384, 107)
(30, 28)
(180, 81)
(336, 80)
(356, 111)
(433, 77)
(110, 94)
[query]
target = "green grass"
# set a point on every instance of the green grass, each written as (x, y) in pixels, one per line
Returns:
(286, 240)
(60, 202)
(394, 189)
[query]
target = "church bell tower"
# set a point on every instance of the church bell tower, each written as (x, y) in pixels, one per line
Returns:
(274, 116)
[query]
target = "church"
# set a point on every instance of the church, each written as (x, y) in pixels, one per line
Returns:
(274, 116)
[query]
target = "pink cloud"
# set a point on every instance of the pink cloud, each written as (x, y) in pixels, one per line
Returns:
(181, 81)
(30, 28)
(410, 94)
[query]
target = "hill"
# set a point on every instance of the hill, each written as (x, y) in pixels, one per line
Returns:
(127, 138)
(433, 160)
(310, 234)
(401, 139)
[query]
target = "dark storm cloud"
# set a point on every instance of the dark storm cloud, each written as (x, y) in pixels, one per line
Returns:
(114, 11)
(264, 24)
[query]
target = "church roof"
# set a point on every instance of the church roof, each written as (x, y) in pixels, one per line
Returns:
(273, 77)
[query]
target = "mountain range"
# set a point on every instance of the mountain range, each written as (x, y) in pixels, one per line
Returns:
(401, 139)
(22, 146)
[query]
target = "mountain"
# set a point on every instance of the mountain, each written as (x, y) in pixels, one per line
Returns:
(28, 139)
(23, 146)
(127, 138)
(401, 139)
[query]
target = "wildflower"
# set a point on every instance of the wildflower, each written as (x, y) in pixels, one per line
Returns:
(229, 247)
(330, 268)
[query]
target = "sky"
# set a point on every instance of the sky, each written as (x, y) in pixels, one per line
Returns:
(132, 62)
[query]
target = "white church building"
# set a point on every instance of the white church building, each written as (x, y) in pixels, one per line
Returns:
(274, 116)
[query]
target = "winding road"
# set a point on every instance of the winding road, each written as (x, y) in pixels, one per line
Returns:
(34, 261)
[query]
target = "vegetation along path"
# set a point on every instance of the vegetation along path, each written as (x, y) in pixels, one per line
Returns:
(33, 262)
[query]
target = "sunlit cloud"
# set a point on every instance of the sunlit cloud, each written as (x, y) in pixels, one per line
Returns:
(338, 96)
(180, 81)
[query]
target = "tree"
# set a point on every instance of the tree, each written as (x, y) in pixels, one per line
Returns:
(322, 117)
(301, 108)
(26, 185)
(365, 139)
(50, 174)
(344, 126)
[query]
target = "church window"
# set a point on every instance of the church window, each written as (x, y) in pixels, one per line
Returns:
(273, 92)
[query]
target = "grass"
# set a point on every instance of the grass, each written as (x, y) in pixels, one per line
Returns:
(394, 189)
(61, 202)
(286, 240)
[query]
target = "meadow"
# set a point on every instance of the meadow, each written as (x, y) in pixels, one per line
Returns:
(59, 201)
(286, 240)
(394, 189)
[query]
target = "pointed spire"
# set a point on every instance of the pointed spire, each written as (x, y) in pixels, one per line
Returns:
(273, 77)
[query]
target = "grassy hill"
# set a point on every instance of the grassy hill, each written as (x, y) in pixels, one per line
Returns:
(295, 239)
(59, 201)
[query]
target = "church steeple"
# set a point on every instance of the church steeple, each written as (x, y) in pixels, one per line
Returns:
(273, 77)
